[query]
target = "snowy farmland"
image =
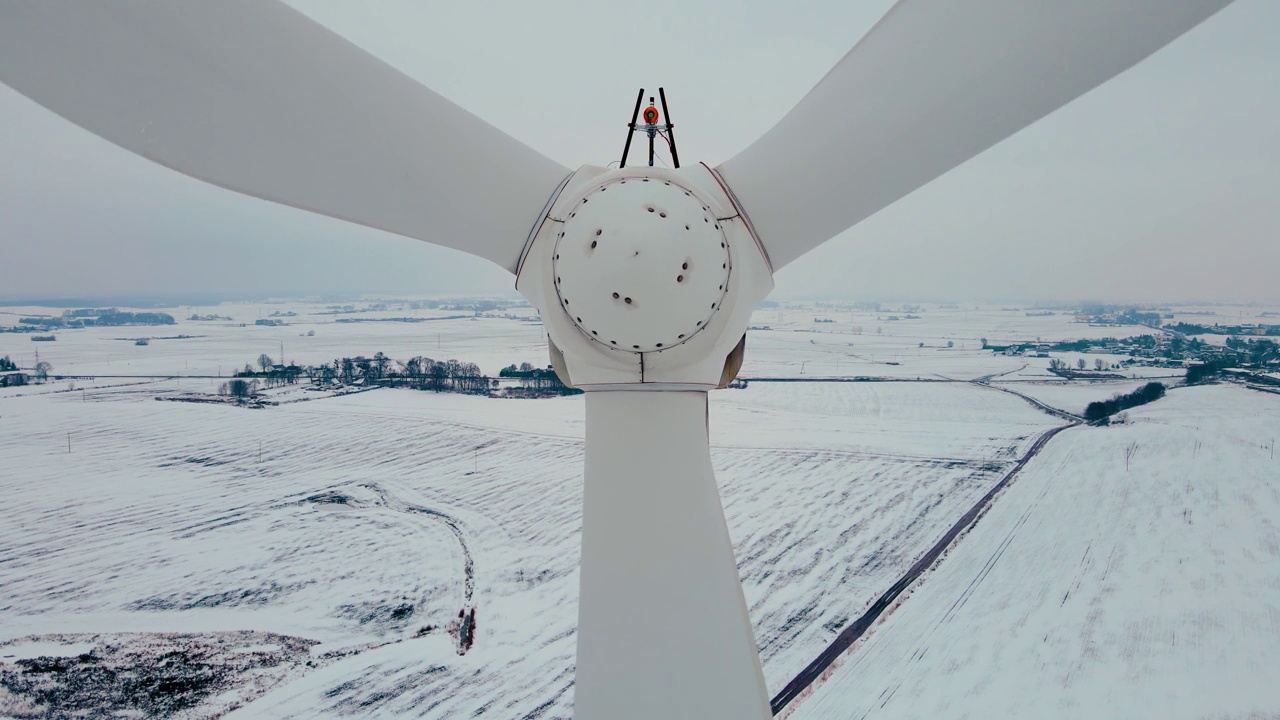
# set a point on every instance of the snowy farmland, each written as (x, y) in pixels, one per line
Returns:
(312, 559)
(1093, 589)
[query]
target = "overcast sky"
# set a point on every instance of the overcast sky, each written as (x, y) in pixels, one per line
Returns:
(1161, 185)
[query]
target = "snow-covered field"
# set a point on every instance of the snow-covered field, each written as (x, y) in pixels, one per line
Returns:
(163, 519)
(855, 343)
(312, 559)
(215, 347)
(1095, 591)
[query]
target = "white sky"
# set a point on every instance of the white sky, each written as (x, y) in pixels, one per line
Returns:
(1161, 185)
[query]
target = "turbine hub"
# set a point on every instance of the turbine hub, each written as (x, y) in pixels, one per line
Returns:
(645, 278)
(641, 264)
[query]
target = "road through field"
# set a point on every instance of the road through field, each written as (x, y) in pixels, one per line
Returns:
(854, 631)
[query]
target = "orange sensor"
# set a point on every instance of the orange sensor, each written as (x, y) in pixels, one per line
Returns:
(651, 114)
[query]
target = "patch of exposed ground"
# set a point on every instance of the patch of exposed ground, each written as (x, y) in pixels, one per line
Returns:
(145, 675)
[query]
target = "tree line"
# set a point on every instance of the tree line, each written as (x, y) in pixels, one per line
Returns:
(1215, 329)
(418, 373)
(533, 378)
(1099, 411)
(105, 317)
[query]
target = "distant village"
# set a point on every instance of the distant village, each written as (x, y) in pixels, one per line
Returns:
(1245, 346)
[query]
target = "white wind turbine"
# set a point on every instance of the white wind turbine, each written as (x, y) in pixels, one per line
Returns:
(645, 277)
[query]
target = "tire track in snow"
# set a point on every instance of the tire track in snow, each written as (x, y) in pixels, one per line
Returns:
(466, 615)
(392, 502)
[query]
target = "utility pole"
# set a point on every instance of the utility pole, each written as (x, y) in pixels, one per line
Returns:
(68, 441)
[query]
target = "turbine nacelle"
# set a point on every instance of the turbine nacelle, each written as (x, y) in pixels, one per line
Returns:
(645, 277)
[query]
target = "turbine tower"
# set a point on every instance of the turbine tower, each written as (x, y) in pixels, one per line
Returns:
(644, 277)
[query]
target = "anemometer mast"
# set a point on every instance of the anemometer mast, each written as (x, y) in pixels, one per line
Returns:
(651, 128)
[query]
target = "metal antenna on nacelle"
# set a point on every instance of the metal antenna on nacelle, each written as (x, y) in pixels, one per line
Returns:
(631, 128)
(671, 135)
(651, 128)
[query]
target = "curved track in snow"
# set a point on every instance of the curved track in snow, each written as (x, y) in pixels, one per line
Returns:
(392, 502)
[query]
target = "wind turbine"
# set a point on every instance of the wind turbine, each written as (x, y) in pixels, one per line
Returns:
(645, 277)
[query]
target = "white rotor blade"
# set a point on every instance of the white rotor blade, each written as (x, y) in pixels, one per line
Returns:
(256, 97)
(933, 84)
(663, 630)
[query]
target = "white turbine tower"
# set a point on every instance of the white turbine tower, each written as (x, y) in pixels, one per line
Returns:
(645, 277)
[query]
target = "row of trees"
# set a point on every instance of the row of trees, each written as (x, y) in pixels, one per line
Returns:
(418, 373)
(106, 317)
(1098, 364)
(423, 373)
(1098, 411)
(533, 378)
(1216, 329)
(1202, 372)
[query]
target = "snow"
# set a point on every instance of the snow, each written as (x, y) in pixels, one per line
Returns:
(1094, 591)
(225, 346)
(351, 521)
(163, 519)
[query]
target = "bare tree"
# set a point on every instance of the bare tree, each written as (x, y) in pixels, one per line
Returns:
(265, 362)
(242, 390)
(439, 376)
